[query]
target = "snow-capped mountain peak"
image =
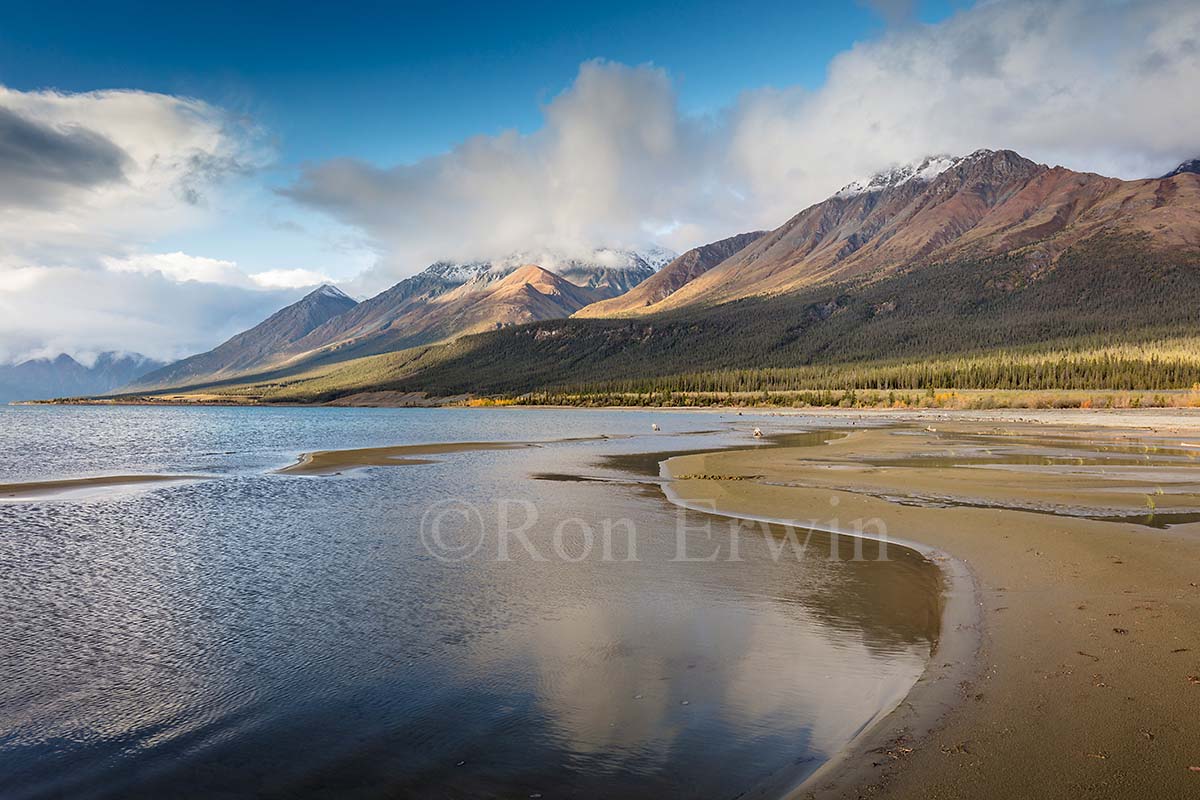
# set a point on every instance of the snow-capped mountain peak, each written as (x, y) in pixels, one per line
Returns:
(458, 272)
(328, 290)
(1192, 165)
(611, 270)
(657, 256)
(923, 170)
(648, 259)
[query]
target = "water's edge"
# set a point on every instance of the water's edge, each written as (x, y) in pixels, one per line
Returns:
(955, 658)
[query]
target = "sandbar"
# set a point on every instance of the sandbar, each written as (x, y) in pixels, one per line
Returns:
(327, 462)
(69, 486)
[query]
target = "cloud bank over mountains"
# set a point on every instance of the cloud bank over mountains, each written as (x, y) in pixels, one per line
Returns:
(612, 165)
(1093, 86)
(89, 183)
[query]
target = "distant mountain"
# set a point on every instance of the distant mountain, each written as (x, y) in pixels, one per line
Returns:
(1191, 166)
(671, 277)
(429, 307)
(942, 209)
(413, 312)
(63, 376)
(435, 305)
(612, 271)
(527, 294)
(262, 342)
(445, 300)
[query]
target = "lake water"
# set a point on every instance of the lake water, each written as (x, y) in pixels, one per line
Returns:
(256, 634)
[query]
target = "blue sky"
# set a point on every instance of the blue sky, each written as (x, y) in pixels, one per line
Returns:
(170, 173)
(391, 82)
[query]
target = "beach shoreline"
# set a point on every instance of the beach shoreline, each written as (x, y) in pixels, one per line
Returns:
(1086, 636)
(955, 659)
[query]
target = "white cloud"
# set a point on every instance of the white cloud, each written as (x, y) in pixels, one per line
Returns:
(1092, 86)
(86, 181)
(20, 278)
(611, 164)
(46, 311)
(184, 268)
(111, 169)
(180, 267)
(1105, 86)
(289, 278)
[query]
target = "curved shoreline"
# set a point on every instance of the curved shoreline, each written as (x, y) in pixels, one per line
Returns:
(1086, 631)
(954, 658)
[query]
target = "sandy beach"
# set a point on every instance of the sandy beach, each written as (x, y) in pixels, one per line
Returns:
(1080, 674)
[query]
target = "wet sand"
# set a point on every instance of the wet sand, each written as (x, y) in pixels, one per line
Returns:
(329, 462)
(1080, 676)
(73, 486)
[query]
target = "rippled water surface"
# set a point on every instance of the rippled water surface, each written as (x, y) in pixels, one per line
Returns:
(252, 634)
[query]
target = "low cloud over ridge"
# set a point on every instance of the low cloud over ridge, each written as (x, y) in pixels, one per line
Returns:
(1092, 86)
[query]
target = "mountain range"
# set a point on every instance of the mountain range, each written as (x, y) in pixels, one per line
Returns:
(445, 300)
(946, 255)
(945, 209)
(63, 376)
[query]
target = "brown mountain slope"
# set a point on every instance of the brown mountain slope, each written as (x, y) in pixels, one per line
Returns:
(261, 343)
(377, 318)
(529, 294)
(988, 203)
(426, 307)
(671, 278)
(439, 312)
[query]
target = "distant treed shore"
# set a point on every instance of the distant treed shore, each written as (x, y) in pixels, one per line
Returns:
(858, 398)
(1174, 365)
(1158, 375)
(1154, 373)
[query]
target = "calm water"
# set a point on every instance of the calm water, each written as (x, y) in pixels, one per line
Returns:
(254, 634)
